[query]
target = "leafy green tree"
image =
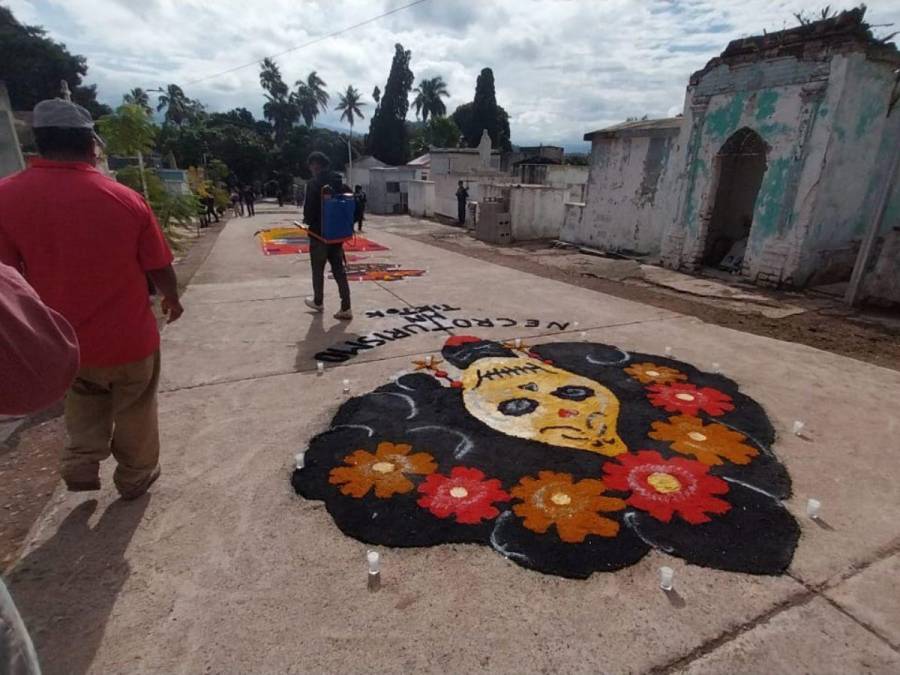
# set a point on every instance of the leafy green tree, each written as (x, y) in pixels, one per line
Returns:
(440, 132)
(280, 107)
(138, 97)
(311, 97)
(428, 98)
(33, 65)
(129, 131)
(387, 132)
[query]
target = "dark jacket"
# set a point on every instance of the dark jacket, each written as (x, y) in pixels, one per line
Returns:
(312, 204)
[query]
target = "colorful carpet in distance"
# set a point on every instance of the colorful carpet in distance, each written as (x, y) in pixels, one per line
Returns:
(294, 240)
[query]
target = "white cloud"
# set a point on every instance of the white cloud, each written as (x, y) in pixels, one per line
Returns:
(562, 67)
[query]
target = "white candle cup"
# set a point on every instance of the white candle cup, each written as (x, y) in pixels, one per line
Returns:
(668, 351)
(717, 367)
(797, 429)
(518, 343)
(374, 560)
(583, 335)
(300, 458)
(320, 368)
(813, 506)
(346, 386)
(429, 360)
(666, 578)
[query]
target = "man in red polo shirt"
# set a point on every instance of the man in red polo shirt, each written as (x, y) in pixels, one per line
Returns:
(86, 244)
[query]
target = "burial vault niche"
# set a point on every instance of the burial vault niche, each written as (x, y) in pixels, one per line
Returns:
(740, 166)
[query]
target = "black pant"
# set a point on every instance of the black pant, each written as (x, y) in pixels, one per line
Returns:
(211, 213)
(250, 210)
(359, 219)
(461, 210)
(319, 254)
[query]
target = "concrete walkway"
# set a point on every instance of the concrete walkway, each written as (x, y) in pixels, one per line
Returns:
(223, 569)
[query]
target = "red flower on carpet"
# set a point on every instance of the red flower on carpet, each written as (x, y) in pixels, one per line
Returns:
(465, 493)
(663, 487)
(687, 399)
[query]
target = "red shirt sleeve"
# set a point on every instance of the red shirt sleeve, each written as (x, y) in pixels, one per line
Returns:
(9, 254)
(38, 348)
(153, 251)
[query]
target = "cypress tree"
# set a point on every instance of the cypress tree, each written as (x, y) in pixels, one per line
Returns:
(484, 108)
(484, 113)
(387, 130)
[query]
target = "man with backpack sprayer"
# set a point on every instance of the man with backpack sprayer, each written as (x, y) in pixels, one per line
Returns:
(320, 250)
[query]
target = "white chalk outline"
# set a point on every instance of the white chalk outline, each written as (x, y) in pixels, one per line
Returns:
(462, 448)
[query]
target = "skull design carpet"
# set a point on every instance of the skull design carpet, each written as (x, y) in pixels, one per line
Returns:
(568, 458)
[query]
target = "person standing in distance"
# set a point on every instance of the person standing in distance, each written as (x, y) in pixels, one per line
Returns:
(320, 252)
(462, 195)
(87, 244)
(359, 198)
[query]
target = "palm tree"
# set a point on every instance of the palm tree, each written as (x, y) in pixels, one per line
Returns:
(428, 98)
(138, 96)
(279, 108)
(349, 103)
(178, 107)
(311, 97)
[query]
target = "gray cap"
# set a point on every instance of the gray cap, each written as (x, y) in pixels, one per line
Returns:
(55, 112)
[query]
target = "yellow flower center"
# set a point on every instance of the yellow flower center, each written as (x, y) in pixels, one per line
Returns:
(696, 436)
(653, 373)
(383, 467)
(664, 482)
(459, 492)
(561, 499)
(684, 397)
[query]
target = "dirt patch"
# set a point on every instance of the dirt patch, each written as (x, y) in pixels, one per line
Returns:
(834, 327)
(28, 477)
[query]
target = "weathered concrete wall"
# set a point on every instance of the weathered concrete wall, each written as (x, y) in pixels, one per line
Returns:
(536, 211)
(825, 127)
(781, 100)
(421, 198)
(882, 280)
(623, 210)
(857, 161)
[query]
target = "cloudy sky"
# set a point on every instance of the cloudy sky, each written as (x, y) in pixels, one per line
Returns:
(562, 67)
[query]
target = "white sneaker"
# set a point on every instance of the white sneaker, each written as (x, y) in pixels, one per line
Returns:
(313, 306)
(344, 315)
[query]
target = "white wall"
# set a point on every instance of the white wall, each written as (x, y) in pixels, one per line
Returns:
(421, 198)
(536, 211)
(623, 210)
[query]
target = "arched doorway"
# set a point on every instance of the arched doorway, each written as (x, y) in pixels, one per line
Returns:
(741, 164)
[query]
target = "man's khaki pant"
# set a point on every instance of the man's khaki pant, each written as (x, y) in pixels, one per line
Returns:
(113, 410)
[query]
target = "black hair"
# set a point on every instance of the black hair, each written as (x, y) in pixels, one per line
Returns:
(358, 187)
(64, 141)
(320, 158)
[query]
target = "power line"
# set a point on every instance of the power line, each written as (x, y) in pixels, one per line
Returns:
(311, 42)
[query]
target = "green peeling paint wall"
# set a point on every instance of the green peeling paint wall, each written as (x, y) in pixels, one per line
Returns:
(770, 201)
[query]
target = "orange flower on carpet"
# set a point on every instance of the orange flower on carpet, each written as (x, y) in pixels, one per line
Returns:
(385, 470)
(708, 443)
(574, 507)
(650, 373)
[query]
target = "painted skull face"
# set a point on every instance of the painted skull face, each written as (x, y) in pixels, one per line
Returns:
(524, 397)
